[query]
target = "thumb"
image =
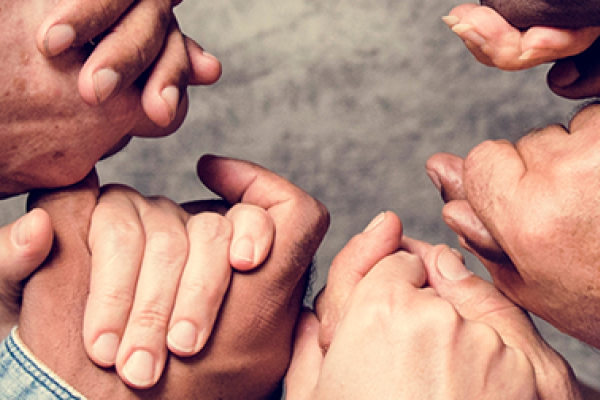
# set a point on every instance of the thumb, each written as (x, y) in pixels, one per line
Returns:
(381, 238)
(305, 367)
(24, 245)
(577, 77)
(474, 298)
(478, 300)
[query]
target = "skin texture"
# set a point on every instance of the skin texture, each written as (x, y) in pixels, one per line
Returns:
(251, 344)
(529, 212)
(568, 14)
(389, 319)
(515, 35)
(154, 266)
(42, 140)
(24, 245)
(133, 38)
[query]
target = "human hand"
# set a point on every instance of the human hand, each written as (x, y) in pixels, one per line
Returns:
(527, 211)
(511, 36)
(43, 144)
(24, 245)
(133, 37)
(157, 269)
(249, 350)
(495, 42)
(395, 331)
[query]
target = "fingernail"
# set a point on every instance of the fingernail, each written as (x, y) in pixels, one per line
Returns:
(170, 96)
(209, 55)
(243, 249)
(451, 267)
(376, 221)
(451, 20)
(58, 39)
(105, 82)
(21, 231)
(458, 255)
(467, 32)
(139, 369)
(183, 337)
(533, 54)
(435, 179)
(105, 348)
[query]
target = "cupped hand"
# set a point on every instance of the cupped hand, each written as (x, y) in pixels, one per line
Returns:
(514, 35)
(558, 14)
(495, 42)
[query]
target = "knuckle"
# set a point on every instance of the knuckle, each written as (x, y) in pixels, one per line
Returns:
(121, 232)
(167, 247)
(477, 154)
(151, 315)
(315, 218)
(113, 298)
(211, 291)
(212, 226)
(380, 304)
(443, 316)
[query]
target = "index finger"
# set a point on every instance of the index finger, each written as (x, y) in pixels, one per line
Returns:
(492, 173)
(75, 22)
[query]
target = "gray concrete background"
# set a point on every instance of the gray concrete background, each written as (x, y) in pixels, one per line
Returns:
(347, 99)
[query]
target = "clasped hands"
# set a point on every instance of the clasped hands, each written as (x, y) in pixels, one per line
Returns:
(415, 323)
(249, 349)
(398, 317)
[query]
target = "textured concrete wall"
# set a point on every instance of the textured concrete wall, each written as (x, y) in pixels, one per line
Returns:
(347, 99)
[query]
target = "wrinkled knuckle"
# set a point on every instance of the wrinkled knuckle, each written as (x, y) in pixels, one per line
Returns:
(167, 248)
(114, 297)
(211, 292)
(478, 154)
(212, 226)
(152, 315)
(122, 232)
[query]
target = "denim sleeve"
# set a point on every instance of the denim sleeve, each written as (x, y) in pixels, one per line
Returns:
(23, 377)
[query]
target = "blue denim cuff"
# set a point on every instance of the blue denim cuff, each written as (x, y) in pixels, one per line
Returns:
(23, 377)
